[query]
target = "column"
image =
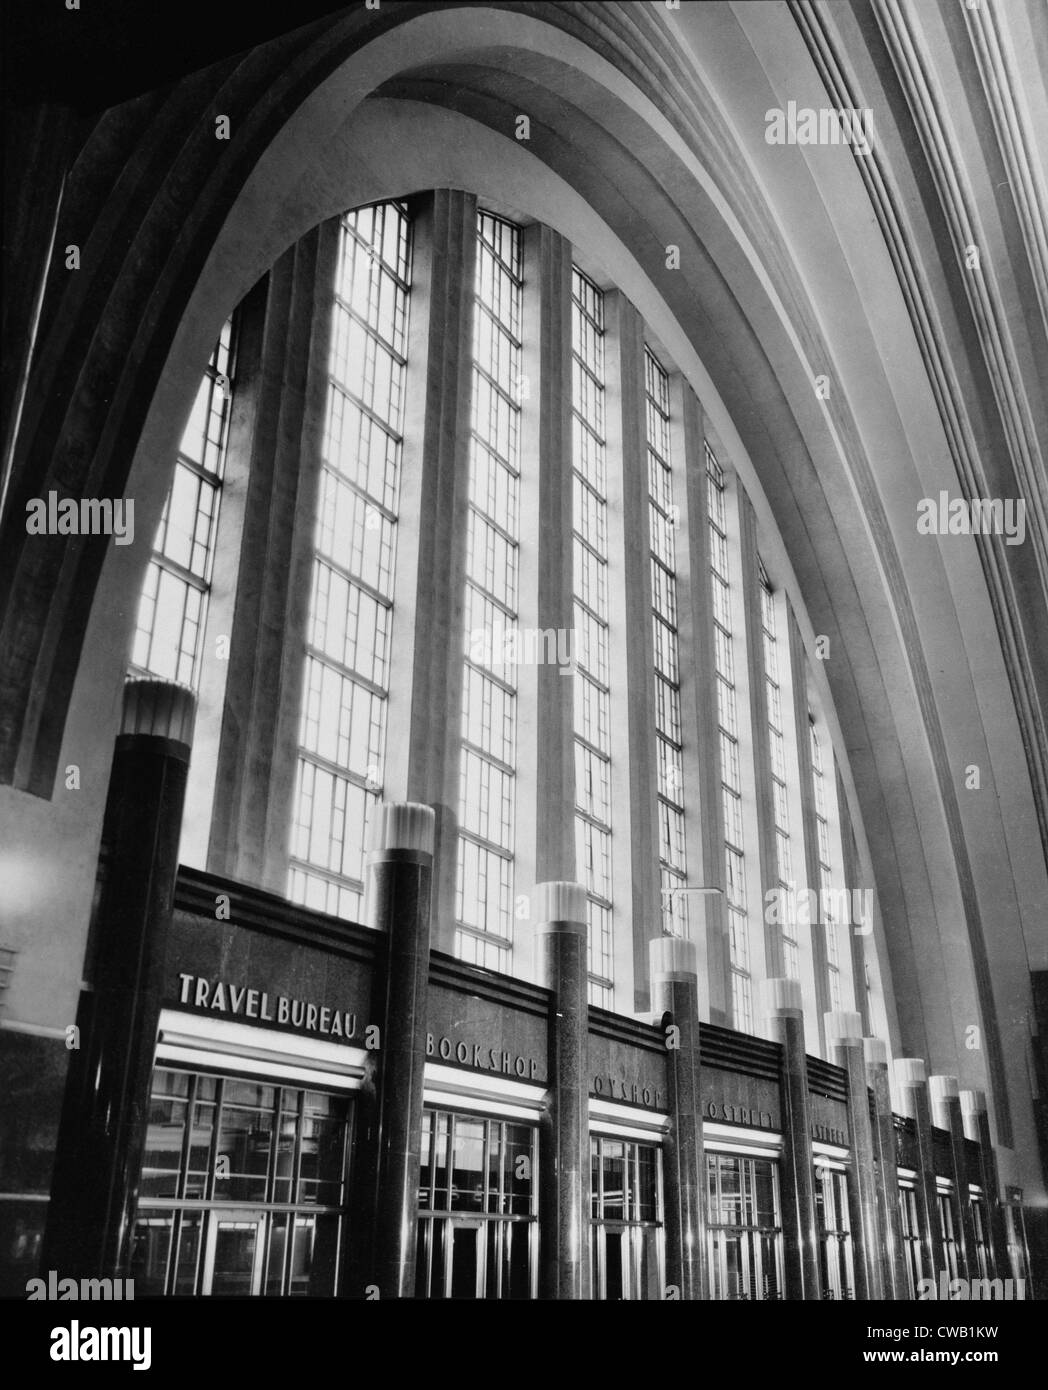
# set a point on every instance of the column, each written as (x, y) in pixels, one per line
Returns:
(675, 1000)
(844, 1036)
(634, 785)
(909, 1073)
(946, 1111)
(274, 449)
(106, 1106)
(545, 842)
(786, 1021)
(976, 1121)
(560, 914)
(400, 873)
(433, 524)
(895, 1281)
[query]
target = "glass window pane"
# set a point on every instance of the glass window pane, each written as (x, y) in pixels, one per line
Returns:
(489, 707)
(644, 1203)
(351, 615)
(520, 1175)
(276, 1254)
(484, 889)
(425, 1180)
(614, 1174)
(150, 1252)
(267, 1137)
(648, 1278)
(467, 1174)
(165, 1135)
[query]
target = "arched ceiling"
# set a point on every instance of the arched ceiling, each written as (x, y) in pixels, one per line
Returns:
(647, 129)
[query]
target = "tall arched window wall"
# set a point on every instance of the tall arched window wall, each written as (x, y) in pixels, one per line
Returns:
(777, 818)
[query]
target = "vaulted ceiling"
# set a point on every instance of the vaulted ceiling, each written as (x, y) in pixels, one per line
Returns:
(647, 129)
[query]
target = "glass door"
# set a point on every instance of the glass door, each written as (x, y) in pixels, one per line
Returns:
(744, 1234)
(626, 1243)
(233, 1254)
(478, 1226)
(243, 1187)
(465, 1260)
(835, 1241)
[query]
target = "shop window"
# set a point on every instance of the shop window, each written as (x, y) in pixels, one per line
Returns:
(626, 1248)
(478, 1212)
(948, 1226)
(243, 1188)
(835, 1238)
(744, 1232)
(982, 1253)
(911, 1238)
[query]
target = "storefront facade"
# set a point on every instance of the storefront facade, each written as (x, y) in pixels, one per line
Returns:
(300, 1106)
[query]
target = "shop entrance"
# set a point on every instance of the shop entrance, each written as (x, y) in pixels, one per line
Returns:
(242, 1189)
(477, 1229)
(626, 1233)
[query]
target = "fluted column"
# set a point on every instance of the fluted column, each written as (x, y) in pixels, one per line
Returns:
(844, 1034)
(400, 870)
(946, 1112)
(786, 1018)
(895, 1281)
(976, 1121)
(675, 997)
(560, 914)
(106, 1107)
(909, 1073)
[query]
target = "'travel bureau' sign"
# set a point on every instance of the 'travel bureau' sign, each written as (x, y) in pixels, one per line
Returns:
(218, 996)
